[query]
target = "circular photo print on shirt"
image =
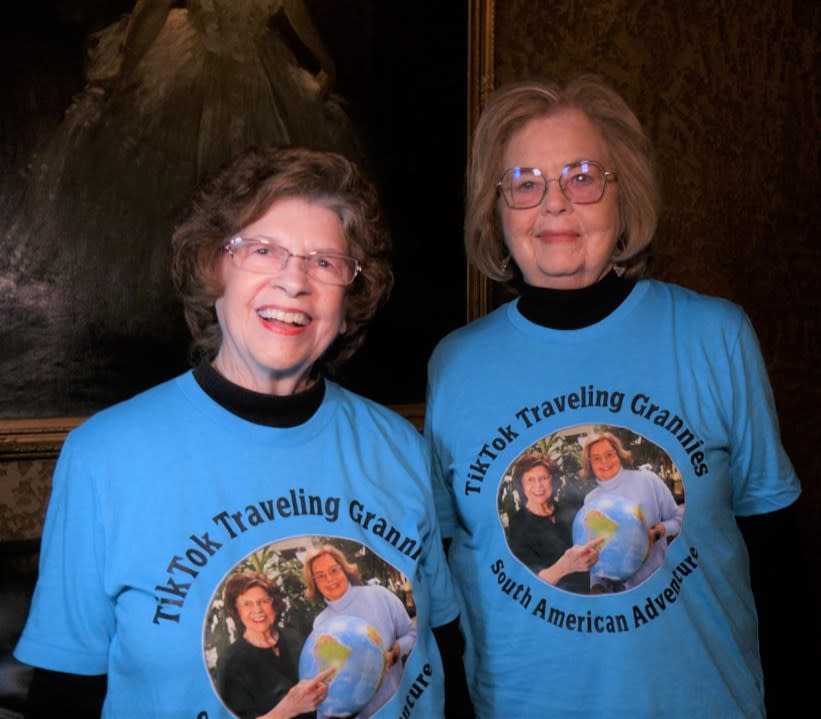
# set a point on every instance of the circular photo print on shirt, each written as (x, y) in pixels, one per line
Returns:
(309, 624)
(591, 509)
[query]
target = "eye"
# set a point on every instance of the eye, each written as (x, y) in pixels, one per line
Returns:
(581, 178)
(329, 263)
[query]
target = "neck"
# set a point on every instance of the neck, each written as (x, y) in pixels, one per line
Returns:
(542, 509)
(574, 309)
(256, 407)
(263, 640)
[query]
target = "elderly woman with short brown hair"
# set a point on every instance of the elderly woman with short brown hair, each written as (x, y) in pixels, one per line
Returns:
(258, 674)
(281, 263)
(562, 204)
(540, 533)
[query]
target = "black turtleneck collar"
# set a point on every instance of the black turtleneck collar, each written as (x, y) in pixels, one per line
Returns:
(270, 410)
(574, 309)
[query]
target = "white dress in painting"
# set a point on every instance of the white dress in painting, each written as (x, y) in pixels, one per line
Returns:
(170, 94)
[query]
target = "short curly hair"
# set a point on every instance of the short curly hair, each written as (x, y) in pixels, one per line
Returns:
(242, 192)
(528, 462)
(509, 109)
(240, 583)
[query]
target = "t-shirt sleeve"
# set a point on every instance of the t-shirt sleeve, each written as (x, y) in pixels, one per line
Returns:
(443, 607)
(763, 476)
(440, 472)
(71, 620)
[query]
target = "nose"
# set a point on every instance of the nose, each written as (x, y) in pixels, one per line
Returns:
(554, 202)
(293, 278)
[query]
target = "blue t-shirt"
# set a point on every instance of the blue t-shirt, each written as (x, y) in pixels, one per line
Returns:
(157, 500)
(679, 379)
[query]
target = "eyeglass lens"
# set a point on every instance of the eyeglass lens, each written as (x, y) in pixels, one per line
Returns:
(581, 183)
(264, 257)
(331, 573)
(251, 604)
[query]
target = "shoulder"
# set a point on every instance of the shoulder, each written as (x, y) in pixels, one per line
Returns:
(291, 637)
(519, 520)
(700, 306)
(378, 593)
(144, 411)
(367, 415)
(232, 656)
(470, 338)
(474, 332)
(641, 475)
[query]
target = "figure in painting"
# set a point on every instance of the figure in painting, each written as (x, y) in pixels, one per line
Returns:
(172, 91)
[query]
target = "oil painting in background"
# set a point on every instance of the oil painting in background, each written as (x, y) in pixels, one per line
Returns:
(119, 109)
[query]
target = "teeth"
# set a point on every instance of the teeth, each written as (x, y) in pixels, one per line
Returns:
(294, 318)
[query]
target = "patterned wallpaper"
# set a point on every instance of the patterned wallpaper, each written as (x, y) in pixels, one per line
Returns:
(727, 91)
(24, 490)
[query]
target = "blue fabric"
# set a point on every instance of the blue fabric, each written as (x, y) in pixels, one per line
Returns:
(158, 499)
(678, 370)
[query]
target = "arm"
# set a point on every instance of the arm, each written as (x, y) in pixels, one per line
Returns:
(58, 694)
(451, 646)
(670, 513)
(765, 498)
(404, 629)
(778, 556)
(578, 558)
(305, 696)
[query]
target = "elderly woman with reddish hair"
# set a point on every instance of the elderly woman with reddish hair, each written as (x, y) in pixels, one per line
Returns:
(281, 263)
(257, 676)
(540, 533)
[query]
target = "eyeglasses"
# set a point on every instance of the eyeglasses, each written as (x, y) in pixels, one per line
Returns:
(331, 573)
(259, 603)
(582, 183)
(263, 256)
(606, 457)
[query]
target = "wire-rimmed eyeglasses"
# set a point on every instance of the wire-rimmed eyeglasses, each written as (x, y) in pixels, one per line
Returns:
(331, 573)
(263, 256)
(582, 183)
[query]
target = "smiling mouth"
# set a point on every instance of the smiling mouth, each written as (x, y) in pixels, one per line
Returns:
(300, 319)
(556, 235)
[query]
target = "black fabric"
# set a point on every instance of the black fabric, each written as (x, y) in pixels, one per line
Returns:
(779, 573)
(574, 309)
(451, 645)
(253, 680)
(540, 542)
(55, 694)
(18, 575)
(267, 409)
